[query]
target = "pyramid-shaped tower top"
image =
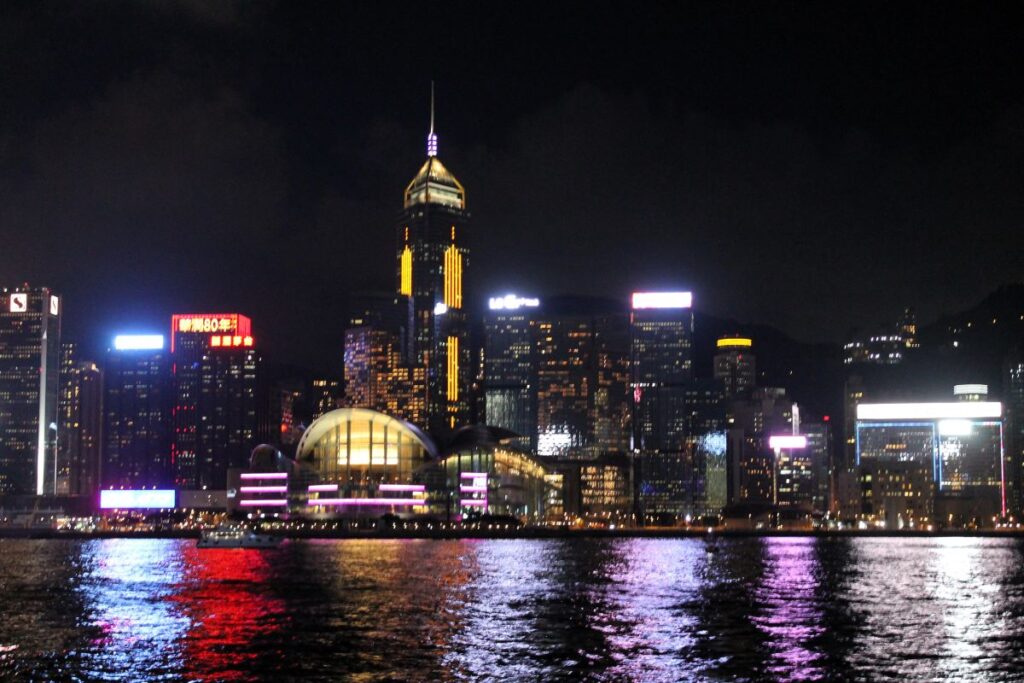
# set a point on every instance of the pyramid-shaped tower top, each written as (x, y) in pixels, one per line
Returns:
(434, 184)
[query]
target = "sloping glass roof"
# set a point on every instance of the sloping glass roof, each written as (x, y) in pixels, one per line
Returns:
(435, 184)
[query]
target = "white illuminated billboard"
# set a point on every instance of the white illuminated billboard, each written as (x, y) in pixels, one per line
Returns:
(787, 441)
(136, 499)
(511, 302)
(139, 342)
(662, 299)
(962, 410)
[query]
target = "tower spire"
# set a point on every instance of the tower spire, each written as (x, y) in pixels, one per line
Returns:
(431, 136)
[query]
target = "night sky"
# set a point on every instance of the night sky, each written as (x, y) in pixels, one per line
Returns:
(814, 166)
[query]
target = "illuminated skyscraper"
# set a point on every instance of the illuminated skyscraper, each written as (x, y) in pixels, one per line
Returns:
(79, 424)
(214, 369)
(325, 396)
(510, 370)
(137, 406)
(582, 357)
(29, 373)
(432, 259)
(735, 367)
(752, 461)
(819, 448)
(661, 331)
(378, 374)
(1013, 394)
(959, 443)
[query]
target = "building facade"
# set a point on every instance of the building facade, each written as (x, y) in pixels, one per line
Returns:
(79, 424)
(960, 443)
(511, 327)
(30, 320)
(214, 380)
(432, 260)
(137, 424)
(735, 366)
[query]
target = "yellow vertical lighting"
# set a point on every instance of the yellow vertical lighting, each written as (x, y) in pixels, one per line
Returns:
(453, 368)
(453, 277)
(405, 285)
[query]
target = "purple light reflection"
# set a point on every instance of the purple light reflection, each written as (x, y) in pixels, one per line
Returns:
(366, 501)
(269, 502)
(263, 489)
(791, 618)
(264, 475)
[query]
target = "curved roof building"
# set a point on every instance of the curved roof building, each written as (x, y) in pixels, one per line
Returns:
(362, 458)
(482, 474)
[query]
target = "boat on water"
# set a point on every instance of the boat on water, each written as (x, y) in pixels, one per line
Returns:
(239, 537)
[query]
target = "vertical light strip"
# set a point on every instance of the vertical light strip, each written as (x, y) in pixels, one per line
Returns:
(405, 283)
(453, 368)
(447, 276)
(453, 277)
(43, 426)
(458, 277)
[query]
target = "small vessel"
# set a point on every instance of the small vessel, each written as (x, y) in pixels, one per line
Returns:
(237, 537)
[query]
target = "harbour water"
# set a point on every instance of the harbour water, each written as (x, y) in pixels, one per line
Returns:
(558, 609)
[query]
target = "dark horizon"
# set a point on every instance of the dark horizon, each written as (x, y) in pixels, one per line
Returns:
(811, 168)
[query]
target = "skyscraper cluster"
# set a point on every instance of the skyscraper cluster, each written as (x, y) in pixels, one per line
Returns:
(603, 399)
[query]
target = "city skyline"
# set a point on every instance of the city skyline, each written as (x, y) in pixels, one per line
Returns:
(198, 185)
(511, 341)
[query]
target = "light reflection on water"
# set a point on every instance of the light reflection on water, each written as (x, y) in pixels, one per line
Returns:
(626, 609)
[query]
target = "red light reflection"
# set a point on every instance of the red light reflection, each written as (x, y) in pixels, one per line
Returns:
(227, 596)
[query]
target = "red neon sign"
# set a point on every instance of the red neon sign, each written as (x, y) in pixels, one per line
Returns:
(230, 341)
(233, 324)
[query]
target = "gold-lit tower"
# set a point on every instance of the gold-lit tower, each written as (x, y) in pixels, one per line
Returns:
(432, 258)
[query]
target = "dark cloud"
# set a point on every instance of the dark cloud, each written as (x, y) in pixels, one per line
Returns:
(812, 167)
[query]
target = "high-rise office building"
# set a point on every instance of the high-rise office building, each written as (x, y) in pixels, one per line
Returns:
(325, 396)
(214, 375)
(734, 366)
(661, 340)
(378, 373)
(794, 483)
(960, 443)
(752, 460)
(819, 449)
(1013, 399)
(432, 258)
(582, 357)
(510, 369)
(79, 424)
(137, 408)
(29, 385)
(558, 375)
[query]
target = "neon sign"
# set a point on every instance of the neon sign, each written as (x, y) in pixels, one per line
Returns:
(780, 442)
(139, 342)
(156, 499)
(511, 302)
(209, 323)
(929, 411)
(229, 340)
(662, 299)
